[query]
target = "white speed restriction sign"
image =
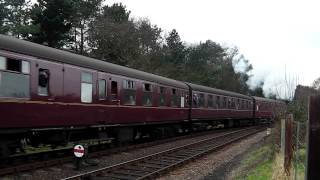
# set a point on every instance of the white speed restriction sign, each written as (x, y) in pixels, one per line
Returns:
(268, 131)
(78, 150)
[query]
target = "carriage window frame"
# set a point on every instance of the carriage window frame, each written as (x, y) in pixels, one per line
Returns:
(12, 88)
(201, 100)
(129, 84)
(174, 101)
(102, 89)
(195, 100)
(217, 102)
(3, 63)
(14, 65)
(233, 103)
(238, 104)
(114, 90)
(229, 103)
(147, 94)
(129, 95)
(243, 104)
(224, 102)
(43, 90)
(86, 87)
(210, 101)
(162, 96)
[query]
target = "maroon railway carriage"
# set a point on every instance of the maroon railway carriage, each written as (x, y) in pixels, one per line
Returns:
(267, 108)
(46, 90)
(215, 104)
(53, 96)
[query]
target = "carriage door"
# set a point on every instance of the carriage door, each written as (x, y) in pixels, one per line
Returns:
(114, 90)
(48, 83)
(102, 87)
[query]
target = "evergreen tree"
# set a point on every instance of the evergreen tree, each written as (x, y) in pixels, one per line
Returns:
(3, 14)
(53, 18)
(149, 46)
(84, 13)
(112, 36)
(174, 56)
(15, 17)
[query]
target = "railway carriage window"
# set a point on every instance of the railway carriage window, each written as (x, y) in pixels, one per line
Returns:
(186, 100)
(129, 92)
(247, 104)
(102, 89)
(43, 82)
(25, 67)
(210, 101)
(14, 65)
(238, 104)
(233, 103)
(224, 102)
(114, 90)
(201, 100)
(128, 84)
(86, 87)
(174, 98)
(218, 102)
(229, 103)
(3, 63)
(14, 84)
(162, 96)
(195, 100)
(147, 95)
(242, 104)
(183, 99)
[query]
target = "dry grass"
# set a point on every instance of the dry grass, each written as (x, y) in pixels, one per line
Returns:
(278, 169)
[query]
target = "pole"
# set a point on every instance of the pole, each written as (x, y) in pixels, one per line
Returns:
(297, 151)
(313, 151)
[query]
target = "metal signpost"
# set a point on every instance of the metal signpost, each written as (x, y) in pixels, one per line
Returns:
(78, 152)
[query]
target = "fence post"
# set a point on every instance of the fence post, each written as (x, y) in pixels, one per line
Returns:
(297, 151)
(288, 144)
(313, 151)
(283, 142)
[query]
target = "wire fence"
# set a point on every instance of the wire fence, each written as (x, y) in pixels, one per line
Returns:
(299, 146)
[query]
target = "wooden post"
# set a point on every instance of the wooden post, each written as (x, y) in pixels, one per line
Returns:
(283, 142)
(288, 144)
(313, 151)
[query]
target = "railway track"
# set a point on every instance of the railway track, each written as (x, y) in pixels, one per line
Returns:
(153, 165)
(33, 161)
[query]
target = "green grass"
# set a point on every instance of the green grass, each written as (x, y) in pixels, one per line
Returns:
(259, 162)
(300, 164)
(264, 151)
(261, 172)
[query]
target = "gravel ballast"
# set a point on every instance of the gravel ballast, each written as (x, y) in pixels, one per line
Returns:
(216, 165)
(67, 170)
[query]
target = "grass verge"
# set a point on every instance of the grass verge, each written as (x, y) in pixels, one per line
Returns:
(258, 164)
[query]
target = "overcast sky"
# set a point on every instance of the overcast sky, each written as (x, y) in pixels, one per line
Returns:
(274, 35)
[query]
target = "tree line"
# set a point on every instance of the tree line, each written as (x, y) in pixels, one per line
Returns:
(108, 33)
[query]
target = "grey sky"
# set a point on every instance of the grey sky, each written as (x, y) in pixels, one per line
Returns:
(275, 35)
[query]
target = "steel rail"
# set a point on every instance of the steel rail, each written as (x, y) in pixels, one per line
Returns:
(40, 163)
(150, 166)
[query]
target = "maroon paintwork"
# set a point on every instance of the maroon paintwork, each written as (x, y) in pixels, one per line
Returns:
(266, 108)
(63, 106)
(213, 114)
